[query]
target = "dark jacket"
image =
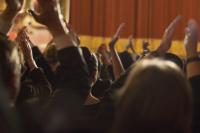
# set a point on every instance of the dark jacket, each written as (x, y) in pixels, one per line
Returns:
(34, 87)
(195, 83)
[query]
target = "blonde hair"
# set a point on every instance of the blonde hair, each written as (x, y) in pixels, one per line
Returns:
(156, 98)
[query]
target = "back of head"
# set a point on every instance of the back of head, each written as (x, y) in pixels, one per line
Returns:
(50, 54)
(174, 58)
(156, 98)
(91, 61)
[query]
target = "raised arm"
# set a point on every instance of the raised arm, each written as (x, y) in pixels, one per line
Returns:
(131, 46)
(72, 72)
(6, 18)
(40, 86)
(118, 68)
(50, 16)
(168, 36)
(191, 42)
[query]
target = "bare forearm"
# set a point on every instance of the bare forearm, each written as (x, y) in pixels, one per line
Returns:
(118, 68)
(193, 67)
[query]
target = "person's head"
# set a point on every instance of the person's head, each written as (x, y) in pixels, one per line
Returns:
(126, 59)
(10, 68)
(92, 64)
(168, 57)
(156, 98)
(51, 56)
(174, 58)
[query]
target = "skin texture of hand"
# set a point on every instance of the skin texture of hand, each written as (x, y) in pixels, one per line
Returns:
(191, 42)
(118, 68)
(191, 38)
(130, 43)
(116, 36)
(25, 47)
(50, 16)
(168, 36)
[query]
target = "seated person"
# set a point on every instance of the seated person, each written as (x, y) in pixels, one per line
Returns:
(156, 98)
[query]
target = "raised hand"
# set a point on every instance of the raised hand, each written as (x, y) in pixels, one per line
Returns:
(25, 46)
(191, 38)
(130, 40)
(50, 16)
(130, 44)
(119, 30)
(168, 36)
(48, 10)
(118, 68)
(116, 36)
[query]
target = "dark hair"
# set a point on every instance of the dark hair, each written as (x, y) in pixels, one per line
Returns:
(50, 54)
(90, 59)
(174, 58)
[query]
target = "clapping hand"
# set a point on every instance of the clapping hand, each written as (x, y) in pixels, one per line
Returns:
(168, 36)
(25, 46)
(130, 43)
(49, 9)
(116, 36)
(50, 16)
(191, 38)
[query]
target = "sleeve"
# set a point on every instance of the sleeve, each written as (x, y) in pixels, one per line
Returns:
(195, 84)
(42, 63)
(38, 87)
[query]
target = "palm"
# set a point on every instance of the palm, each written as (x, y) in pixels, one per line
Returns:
(191, 35)
(49, 10)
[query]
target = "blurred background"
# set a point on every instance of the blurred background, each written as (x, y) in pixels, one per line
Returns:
(97, 20)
